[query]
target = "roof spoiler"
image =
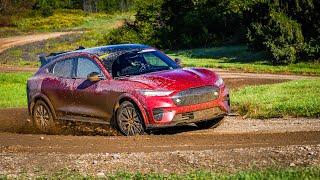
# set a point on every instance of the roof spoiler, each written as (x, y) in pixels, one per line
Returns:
(46, 59)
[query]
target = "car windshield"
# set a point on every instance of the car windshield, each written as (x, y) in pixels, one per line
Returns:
(139, 62)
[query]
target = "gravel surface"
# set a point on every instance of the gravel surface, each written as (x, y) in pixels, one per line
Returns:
(230, 160)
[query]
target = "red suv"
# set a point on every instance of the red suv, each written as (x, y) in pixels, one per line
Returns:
(133, 87)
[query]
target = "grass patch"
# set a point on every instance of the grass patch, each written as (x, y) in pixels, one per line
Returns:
(290, 173)
(239, 58)
(96, 26)
(13, 89)
(61, 20)
(295, 99)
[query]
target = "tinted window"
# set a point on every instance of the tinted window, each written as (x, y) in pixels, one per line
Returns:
(63, 68)
(154, 60)
(141, 62)
(85, 67)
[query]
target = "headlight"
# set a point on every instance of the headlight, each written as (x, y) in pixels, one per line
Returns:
(219, 82)
(155, 93)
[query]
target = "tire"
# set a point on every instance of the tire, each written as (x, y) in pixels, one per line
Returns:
(210, 123)
(43, 118)
(129, 120)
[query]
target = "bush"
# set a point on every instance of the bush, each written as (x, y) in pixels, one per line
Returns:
(275, 33)
(124, 34)
(145, 29)
(287, 30)
(59, 20)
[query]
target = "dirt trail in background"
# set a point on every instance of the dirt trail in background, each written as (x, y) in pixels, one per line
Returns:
(6, 43)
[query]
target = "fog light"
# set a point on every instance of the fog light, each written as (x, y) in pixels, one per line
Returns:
(157, 114)
(216, 93)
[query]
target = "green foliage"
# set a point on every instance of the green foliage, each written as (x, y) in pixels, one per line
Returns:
(279, 28)
(13, 89)
(122, 35)
(275, 33)
(294, 174)
(288, 173)
(143, 30)
(306, 13)
(58, 21)
(94, 27)
(17, 10)
(296, 98)
(64, 20)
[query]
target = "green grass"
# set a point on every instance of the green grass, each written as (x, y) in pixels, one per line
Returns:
(61, 20)
(239, 58)
(95, 26)
(285, 174)
(13, 89)
(295, 99)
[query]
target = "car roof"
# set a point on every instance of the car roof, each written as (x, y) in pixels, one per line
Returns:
(114, 48)
(101, 50)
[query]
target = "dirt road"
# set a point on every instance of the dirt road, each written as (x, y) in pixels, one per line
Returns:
(6, 43)
(235, 133)
(235, 145)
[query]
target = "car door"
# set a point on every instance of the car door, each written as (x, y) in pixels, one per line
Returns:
(58, 86)
(91, 98)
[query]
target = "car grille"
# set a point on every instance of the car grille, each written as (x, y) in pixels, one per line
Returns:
(196, 95)
(196, 116)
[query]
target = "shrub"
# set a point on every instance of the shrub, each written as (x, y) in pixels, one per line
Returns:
(275, 33)
(124, 34)
(59, 20)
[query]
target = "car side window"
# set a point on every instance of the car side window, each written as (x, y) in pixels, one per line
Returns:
(63, 68)
(85, 67)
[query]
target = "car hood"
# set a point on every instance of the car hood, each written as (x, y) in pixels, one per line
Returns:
(177, 79)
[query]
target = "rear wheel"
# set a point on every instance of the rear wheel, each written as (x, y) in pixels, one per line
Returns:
(210, 123)
(129, 120)
(43, 118)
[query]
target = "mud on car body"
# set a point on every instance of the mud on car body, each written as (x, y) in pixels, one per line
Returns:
(133, 87)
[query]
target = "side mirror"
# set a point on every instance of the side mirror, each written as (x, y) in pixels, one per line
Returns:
(178, 61)
(94, 77)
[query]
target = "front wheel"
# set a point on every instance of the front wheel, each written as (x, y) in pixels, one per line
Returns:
(129, 120)
(210, 123)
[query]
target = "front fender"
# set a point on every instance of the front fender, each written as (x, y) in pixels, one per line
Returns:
(135, 100)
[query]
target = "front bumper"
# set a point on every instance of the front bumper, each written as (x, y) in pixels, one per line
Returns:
(196, 116)
(173, 115)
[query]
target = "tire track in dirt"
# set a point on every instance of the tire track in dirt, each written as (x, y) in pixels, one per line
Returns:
(19, 143)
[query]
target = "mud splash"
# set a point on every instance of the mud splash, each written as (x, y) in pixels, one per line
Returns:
(17, 120)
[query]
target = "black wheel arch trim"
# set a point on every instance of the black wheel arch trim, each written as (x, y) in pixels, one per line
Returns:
(136, 103)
